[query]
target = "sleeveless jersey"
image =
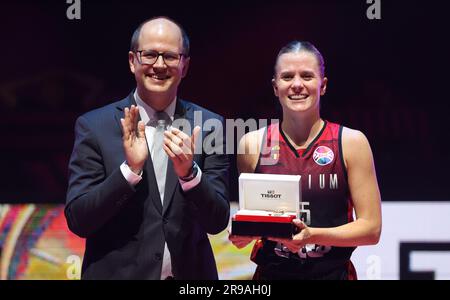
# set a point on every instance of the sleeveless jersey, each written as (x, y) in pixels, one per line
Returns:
(324, 201)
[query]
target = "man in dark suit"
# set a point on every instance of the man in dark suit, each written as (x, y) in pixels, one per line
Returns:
(145, 198)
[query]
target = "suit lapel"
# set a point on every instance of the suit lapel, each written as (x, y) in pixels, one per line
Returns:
(181, 111)
(149, 175)
(127, 102)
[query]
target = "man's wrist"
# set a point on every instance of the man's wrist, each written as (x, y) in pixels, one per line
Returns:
(134, 169)
(192, 174)
(129, 175)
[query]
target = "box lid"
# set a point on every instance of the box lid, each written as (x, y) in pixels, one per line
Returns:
(270, 192)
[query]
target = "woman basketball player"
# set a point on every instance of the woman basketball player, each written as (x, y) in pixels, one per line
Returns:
(337, 176)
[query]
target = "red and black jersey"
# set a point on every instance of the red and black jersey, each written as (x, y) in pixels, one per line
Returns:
(324, 200)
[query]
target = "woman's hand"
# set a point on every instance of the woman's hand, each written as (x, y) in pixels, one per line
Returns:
(241, 241)
(299, 240)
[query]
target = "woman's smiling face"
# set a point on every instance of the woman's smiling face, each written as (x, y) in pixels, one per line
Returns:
(298, 82)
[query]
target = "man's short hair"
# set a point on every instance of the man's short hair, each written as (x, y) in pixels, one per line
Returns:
(135, 38)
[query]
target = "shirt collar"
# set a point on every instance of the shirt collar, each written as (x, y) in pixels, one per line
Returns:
(147, 113)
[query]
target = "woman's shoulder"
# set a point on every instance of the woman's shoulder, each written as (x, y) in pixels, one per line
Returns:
(252, 139)
(353, 136)
(249, 149)
(355, 145)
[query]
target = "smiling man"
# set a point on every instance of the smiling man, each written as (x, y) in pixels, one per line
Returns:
(140, 191)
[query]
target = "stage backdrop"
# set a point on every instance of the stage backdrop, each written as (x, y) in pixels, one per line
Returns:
(35, 243)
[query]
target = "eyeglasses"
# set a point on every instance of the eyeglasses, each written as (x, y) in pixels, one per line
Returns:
(149, 57)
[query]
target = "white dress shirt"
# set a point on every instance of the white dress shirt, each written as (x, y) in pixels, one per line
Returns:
(147, 113)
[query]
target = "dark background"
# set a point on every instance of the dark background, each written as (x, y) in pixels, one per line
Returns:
(387, 78)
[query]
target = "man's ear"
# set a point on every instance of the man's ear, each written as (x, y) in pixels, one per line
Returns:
(323, 87)
(131, 61)
(185, 67)
(274, 86)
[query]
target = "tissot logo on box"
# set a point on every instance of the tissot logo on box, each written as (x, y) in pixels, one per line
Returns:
(271, 194)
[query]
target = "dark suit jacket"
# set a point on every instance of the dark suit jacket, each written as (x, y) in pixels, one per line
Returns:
(125, 227)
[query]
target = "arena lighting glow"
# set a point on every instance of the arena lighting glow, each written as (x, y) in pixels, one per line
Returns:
(35, 242)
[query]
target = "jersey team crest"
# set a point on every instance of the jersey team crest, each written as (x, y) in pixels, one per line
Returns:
(323, 155)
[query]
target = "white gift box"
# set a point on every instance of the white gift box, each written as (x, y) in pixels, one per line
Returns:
(267, 205)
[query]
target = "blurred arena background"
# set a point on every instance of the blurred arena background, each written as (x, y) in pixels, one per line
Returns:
(387, 78)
